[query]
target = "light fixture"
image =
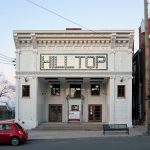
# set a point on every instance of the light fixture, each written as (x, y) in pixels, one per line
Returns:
(26, 79)
(121, 78)
(103, 92)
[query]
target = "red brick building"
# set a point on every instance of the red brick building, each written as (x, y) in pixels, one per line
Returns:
(139, 102)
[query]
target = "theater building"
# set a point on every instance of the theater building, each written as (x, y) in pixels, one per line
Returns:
(73, 75)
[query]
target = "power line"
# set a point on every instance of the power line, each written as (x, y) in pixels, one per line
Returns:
(6, 57)
(46, 9)
(7, 60)
(8, 63)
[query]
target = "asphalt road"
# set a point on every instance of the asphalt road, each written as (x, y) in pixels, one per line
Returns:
(116, 143)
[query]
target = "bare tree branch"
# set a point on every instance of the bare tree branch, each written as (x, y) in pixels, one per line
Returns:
(6, 90)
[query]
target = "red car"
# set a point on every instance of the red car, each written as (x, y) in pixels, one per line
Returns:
(13, 133)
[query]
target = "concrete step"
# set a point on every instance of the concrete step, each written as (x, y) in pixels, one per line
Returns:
(70, 126)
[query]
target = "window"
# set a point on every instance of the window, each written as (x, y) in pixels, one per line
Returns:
(5, 127)
(25, 90)
(121, 91)
(75, 90)
(18, 126)
(95, 89)
(55, 89)
(74, 107)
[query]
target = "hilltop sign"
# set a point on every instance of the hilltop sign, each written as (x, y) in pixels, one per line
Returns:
(73, 62)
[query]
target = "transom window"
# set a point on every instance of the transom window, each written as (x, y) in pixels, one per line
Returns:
(95, 89)
(55, 89)
(121, 91)
(75, 90)
(25, 90)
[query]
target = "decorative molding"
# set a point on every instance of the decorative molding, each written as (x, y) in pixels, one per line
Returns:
(17, 77)
(34, 43)
(101, 39)
(113, 41)
(63, 73)
(113, 51)
(130, 52)
(112, 77)
(17, 44)
(35, 51)
(131, 41)
(18, 52)
(129, 77)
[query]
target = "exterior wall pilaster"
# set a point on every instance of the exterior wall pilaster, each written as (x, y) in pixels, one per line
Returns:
(17, 99)
(129, 98)
(112, 100)
(34, 95)
(112, 60)
(18, 52)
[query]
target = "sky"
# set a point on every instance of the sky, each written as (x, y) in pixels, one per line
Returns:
(92, 14)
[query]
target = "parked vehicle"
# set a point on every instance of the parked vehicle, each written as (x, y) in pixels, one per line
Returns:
(13, 133)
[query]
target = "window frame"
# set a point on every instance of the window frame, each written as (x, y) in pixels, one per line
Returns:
(123, 91)
(25, 94)
(75, 86)
(54, 86)
(94, 84)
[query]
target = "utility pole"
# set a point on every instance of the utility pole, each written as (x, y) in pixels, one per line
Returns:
(147, 87)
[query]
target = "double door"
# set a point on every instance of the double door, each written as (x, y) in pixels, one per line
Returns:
(95, 113)
(55, 113)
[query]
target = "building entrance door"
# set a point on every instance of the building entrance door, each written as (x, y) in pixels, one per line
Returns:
(55, 113)
(75, 103)
(95, 113)
(75, 110)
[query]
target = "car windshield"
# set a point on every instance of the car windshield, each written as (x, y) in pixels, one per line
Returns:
(18, 126)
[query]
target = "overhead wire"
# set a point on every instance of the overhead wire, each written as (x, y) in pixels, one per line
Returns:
(7, 63)
(7, 60)
(2, 55)
(46, 9)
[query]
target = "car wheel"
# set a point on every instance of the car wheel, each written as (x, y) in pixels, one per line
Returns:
(14, 141)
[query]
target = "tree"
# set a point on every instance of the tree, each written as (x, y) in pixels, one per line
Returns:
(6, 89)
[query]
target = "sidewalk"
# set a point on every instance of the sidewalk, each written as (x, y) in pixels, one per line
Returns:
(65, 134)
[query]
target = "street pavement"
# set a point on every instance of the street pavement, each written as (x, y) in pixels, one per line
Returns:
(65, 134)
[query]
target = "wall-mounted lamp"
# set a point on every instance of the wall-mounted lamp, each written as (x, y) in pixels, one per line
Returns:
(103, 92)
(26, 79)
(121, 79)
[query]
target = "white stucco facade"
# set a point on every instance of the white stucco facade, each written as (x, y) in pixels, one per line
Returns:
(73, 57)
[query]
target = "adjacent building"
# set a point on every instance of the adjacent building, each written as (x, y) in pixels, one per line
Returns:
(138, 88)
(73, 76)
(139, 97)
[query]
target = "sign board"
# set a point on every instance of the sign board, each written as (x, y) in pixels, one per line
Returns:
(74, 62)
(74, 115)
